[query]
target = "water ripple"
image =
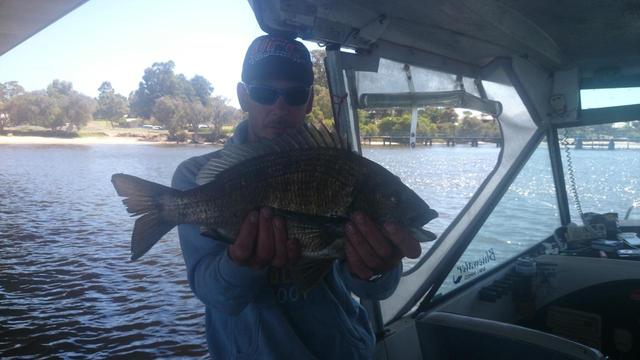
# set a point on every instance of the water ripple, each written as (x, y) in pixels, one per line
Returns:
(67, 287)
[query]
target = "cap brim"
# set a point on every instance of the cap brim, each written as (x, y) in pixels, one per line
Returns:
(278, 68)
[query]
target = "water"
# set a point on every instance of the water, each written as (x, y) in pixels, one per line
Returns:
(67, 286)
(69, 290)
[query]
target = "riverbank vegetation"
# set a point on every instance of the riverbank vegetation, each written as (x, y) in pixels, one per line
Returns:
(180, 109)
(168, 106)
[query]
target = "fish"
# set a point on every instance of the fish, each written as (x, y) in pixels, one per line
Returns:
(308, 176)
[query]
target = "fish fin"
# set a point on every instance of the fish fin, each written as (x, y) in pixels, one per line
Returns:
(142, 198)
(148, 229)
(332, 136)
(306, 137)
(319, 234)
(326, 137)
(423, 235)
(307, 273)
(230, 156)
(316, 137)
(216, 234)
(141, 195)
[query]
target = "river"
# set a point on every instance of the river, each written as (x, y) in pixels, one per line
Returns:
(69, 290)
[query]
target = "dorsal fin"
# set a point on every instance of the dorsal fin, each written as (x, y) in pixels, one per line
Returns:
(306, 137)
(331, 137)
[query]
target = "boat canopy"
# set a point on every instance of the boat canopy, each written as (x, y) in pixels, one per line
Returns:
(20, 19)
(525, 63)
(581, 45)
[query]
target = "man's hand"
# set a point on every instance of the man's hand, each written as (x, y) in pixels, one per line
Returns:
(263, 241)
(371, 251)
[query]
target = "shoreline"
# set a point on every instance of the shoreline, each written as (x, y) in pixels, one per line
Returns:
(89, 140)
(134, 140)
(122, 140)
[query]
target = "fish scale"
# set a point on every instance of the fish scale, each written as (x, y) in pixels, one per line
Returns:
(309, 179)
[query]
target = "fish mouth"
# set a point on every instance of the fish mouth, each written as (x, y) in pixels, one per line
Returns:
(419, 219)
(423, 235)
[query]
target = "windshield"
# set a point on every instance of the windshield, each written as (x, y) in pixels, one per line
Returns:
(525, 215)
(455, 148)
(600, 167)
(601, 163)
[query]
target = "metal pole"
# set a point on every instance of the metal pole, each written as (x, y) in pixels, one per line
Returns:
(414, 109)
(558, 175)
(346, 121)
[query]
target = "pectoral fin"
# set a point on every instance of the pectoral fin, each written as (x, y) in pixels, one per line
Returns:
(216, 234)
(307, 273)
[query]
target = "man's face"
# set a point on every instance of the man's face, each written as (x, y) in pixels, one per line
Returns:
(268, 121)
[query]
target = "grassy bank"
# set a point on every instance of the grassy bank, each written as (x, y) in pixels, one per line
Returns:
(97, 131)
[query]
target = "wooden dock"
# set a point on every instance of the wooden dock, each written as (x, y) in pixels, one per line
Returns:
(473, 141)
(609, 144)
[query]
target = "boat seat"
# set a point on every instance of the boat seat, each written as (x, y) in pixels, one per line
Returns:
(451, 336)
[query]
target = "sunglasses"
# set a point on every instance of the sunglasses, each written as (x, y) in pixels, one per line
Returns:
(267, 95)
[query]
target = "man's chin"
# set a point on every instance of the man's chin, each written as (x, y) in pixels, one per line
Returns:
(271, 133)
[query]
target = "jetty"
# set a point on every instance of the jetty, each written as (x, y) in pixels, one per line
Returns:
(428, 140)
(604, 143)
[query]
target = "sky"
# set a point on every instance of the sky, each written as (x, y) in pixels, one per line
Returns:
(115, 40)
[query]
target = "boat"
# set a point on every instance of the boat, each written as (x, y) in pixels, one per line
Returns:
(571, 289)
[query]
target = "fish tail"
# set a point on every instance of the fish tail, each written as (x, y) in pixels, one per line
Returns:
(142, 198)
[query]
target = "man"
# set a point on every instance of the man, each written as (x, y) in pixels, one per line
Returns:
(252, 309)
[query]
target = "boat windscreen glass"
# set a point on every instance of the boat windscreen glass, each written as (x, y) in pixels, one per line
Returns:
(526, 215)
(602, 161)
(603, 98)
(454, 148)
(475, 182)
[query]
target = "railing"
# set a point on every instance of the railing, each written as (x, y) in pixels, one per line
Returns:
(598, 143)
(428, 140)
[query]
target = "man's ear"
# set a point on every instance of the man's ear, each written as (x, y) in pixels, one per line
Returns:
(310, 102)
(243, 97)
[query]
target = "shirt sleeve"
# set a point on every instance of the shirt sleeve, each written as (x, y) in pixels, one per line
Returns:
(378, 289)
(214, 278)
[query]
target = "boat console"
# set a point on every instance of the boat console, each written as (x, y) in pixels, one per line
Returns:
(561, 310)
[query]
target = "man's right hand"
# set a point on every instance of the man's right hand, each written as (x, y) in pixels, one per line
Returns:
(263, 241)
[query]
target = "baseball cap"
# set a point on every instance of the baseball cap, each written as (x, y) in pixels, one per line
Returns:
(272, 57)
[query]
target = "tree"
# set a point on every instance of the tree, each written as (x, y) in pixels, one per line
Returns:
(322, 101)
(8, 90)
(222, 114)
(22, 109)
(169, 111)
(159, 80)
(440, 115)
(322, 111)
(59, 88)
(178, 103)
(469, 125)
(78, 110)
(35, 108)
(111, 106)
(196, 113)
(319, 73)
(105, 88)
(202, 89)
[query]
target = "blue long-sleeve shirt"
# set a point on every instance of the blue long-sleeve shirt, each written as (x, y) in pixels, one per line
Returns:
(259, 314)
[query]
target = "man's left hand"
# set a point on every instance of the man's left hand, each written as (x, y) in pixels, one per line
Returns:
(371, 251)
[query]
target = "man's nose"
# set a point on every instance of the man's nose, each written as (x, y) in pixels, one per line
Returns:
(280, 103)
